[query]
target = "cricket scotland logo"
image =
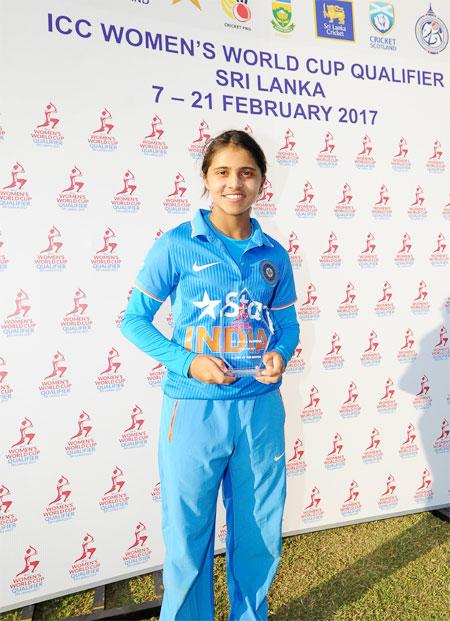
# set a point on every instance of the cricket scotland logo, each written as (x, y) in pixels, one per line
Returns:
(335, 20)
(382, 16)
(431, 32)
(282, 16)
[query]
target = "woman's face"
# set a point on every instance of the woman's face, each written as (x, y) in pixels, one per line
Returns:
(233, 180)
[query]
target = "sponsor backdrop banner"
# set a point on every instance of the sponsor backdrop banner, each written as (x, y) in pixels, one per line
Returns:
(105, 110)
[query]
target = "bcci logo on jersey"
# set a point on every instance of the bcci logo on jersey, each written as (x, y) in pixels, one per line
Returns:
(335, 20)
(382, 16)
(431, 32)
(282, 13)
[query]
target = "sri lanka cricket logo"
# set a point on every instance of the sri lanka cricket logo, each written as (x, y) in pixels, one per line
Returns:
(282, 13)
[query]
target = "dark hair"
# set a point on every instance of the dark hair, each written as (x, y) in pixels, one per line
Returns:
(239, 139)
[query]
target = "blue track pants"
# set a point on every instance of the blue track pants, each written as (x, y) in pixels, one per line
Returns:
(202, 444)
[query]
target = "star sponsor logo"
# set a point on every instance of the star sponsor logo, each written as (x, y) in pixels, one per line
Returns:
(102, 138)
(45, 134)
(334, 19)
(282, 16)
(12, 196)
(382, 18)
(431, 32)
(153, 144)
(28, 580)
(194, 2)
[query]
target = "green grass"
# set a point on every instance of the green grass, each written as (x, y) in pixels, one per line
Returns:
(391, 570)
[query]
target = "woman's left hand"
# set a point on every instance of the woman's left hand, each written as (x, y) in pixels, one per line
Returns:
(274, 368)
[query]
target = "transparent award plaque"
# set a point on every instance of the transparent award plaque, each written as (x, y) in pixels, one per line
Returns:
(246, 331)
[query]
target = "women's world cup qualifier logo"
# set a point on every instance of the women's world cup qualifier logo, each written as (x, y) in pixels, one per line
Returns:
(417, 209)
(441, 444)
(110, 379)
(364, 158)
(54, 385)
(309, 308)
(436, 162)
(19, 323)
(71, 198)
(264, 206)
(106, 259)
(326, 157)
(400, 161)
(296, 465)
(8, 519)
(424, 493)
(347, 309)
(28, 579)
(431, 32)
(335, 459)
(312, 511)
(293, 251)
(12, 195)
(282, 16)
(82, 443)
(85, 566)
(439, 258)
(3, 258)
(114, 499)
(384, 306)
(387, 403)
(333, 359)
(404, 257)
(5, 389)
(50, 259)
(45, 134)
(138, 552)
(345, 209)
(330, 258)
(77, 320)
(134, 436)
(423, 400)
(441, 350)
(24, 451)
(286, 154)
(297, 363)
(102, 138)
(373, 454)
(407, 354)
(175, 203)
(153, 144)
(388, 499)
(408, 448)
(125, 201)
(445, 215)
(60, 508)
(351, 505)
(368, 258)
(382, 208)
(312, 413)
(350, 408)
(197, 146)
(371, 356)
(306, 206)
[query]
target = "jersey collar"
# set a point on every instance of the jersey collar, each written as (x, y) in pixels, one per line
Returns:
(200, 228)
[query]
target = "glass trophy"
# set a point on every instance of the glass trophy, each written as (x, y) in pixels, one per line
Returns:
(246, 331)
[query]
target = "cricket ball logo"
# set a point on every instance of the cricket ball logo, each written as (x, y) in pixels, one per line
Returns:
(175, 203)
(326, 157)
(103, 139)
(153, 144)
(138, 552)
(82, 443)
(12, 196)
(286, 154)
(45, 134)
(364, 159)
(306, 206)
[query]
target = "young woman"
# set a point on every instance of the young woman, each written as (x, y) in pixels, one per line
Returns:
(218, 426)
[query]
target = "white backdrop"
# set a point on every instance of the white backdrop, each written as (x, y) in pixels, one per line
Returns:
(99, 153)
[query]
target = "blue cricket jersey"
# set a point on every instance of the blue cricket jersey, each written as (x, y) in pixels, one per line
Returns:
(191, 264)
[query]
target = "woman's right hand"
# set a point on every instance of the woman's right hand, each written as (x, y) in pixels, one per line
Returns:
(210, 370)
